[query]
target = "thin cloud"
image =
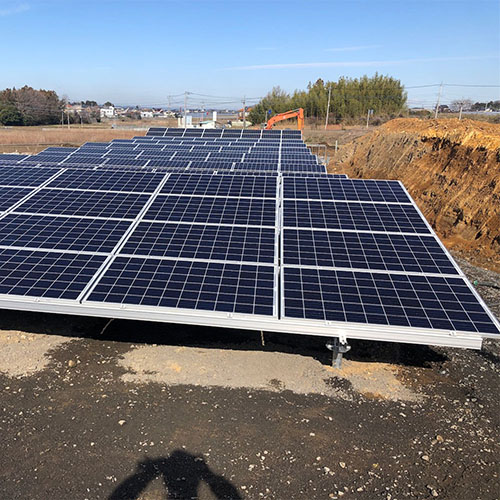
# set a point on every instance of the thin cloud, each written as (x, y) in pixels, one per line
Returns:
(17, 9)
(353, 48)
(355, 64)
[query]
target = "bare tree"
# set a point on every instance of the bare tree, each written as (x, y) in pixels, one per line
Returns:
(464, 104)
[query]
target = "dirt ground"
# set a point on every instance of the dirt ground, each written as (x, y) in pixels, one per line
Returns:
(150, 411)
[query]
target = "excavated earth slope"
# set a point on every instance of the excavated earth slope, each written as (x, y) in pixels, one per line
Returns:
(452, 170)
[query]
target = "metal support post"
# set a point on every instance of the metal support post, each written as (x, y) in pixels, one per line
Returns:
(338, 347)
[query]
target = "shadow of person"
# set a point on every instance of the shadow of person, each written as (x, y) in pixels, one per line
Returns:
(182, 474)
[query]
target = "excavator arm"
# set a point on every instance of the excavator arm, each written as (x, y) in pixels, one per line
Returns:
(299, 113)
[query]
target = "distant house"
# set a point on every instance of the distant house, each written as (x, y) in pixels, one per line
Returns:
(107, 112)
(73, 108)
(146, 114)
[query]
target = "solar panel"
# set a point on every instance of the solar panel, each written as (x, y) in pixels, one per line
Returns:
(353, 216)
(61, 233)
(101, 180)
(85, 203)
(25, 176)
(401, 300)
(46, 274)
(223, 185)
(11, 195)
(327, 188)
(198, 241)
(211, 210)
(226, 287)
(377, 251)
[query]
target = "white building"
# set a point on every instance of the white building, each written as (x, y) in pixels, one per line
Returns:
(147, 114)
(107, 112)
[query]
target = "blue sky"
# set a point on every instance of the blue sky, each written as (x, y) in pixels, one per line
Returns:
(143, 51)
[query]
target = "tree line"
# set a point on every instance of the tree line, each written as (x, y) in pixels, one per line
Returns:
(349, 98)
(27, 106)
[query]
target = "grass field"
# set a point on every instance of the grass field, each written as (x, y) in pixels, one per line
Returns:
(35, 139)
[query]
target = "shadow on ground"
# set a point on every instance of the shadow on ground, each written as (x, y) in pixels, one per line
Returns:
(182, 474)
(137, 332)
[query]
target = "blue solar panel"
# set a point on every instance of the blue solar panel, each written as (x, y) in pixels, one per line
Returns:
(384, 299)
(142, 182)
(25, 176)
(10, 196)
(197, 241)
(85, 203)
(220, 185)
(388, 252)
(244, 211)
(353, 216)
(235, 288)
(61, 233)
(46, 274)
(327, 188)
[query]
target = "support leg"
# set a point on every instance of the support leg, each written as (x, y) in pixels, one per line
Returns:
(338, 347)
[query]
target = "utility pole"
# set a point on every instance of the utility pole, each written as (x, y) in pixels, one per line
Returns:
(185, 107)
(244, 114)
(439, 98)
(328, 106)
(460, 114)
(370, 112)
(62, 118)
(67, 113)
(169, 103)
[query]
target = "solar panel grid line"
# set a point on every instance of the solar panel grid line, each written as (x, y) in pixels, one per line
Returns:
(119, 245)
(72, 216)
(51, 250)
(30, 194)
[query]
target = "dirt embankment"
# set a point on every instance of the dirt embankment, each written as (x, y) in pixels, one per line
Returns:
(452, 170)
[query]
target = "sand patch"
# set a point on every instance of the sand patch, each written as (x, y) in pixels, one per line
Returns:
(375, 380)
(23, 354)
(272, 371)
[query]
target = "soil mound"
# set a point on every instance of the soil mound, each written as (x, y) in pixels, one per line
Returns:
(452, 170)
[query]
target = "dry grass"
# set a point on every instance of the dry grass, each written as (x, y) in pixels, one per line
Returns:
(34, 139)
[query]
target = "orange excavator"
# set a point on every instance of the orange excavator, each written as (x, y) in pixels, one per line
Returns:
(299, 113)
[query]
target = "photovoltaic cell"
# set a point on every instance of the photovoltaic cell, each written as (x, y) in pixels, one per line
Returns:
(236, 288)
(85, 203)
(233, 243)
(353, 216)
(61, 233)
(384, 299)
(244, 211)
(46, 274)
(327, 188)
(377, 251)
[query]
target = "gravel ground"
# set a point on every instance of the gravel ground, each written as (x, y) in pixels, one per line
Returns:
(149, 411)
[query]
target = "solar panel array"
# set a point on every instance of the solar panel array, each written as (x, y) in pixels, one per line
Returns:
(206, 151)
(230, 228)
